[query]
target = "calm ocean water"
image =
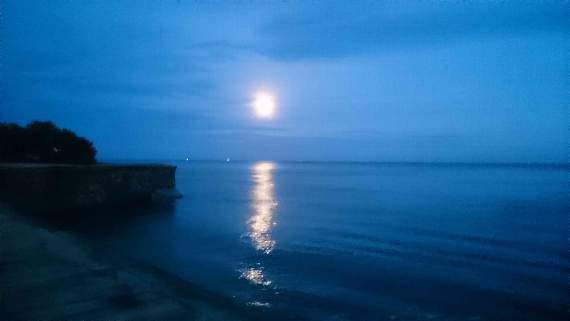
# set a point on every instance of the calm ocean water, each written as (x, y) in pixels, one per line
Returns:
(358, 241)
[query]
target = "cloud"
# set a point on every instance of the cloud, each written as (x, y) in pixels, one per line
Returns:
(346, 30)
(95, 56)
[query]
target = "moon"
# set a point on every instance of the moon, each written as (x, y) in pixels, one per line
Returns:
(264, 105)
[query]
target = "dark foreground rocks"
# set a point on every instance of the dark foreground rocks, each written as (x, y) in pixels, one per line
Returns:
(49, 187)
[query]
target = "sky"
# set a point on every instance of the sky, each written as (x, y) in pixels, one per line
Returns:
(421, 81)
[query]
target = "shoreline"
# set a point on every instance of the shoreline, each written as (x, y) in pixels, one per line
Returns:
(50, 275)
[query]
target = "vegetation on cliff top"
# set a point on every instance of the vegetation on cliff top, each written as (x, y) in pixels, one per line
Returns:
(43, 142)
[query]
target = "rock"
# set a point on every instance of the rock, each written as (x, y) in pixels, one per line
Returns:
(49, 187)
(166, 195)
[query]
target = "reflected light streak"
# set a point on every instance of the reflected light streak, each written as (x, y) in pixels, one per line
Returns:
(255, 276)
(264, 204)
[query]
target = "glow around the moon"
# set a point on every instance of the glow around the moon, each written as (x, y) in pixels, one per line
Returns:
(264, 105)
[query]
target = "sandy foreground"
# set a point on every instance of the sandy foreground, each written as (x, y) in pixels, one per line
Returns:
(48, 275)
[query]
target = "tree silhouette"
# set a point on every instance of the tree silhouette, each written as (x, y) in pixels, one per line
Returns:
(43, 142)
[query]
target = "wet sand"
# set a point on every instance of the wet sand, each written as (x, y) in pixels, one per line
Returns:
(49, 275)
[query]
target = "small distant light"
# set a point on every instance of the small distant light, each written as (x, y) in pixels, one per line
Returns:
(227, 160)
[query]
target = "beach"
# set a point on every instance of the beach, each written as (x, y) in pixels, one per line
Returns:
(49, 275)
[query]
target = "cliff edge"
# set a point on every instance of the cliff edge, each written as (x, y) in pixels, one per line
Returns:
(59, 187)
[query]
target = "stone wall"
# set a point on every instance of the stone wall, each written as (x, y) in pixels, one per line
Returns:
(58, 187)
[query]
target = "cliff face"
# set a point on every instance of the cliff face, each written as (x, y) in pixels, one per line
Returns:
(58, 187)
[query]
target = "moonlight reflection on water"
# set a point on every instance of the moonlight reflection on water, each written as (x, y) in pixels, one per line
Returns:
(264, 204)
(262, 220)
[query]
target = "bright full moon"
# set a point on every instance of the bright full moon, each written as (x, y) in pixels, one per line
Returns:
(264, 105)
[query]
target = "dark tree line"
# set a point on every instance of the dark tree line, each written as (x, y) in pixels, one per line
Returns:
(43, 142)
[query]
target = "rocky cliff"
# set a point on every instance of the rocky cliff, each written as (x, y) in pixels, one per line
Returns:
(59, 187)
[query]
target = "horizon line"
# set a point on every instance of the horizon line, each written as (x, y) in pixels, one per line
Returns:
(224, 160)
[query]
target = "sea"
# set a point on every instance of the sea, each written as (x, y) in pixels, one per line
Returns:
(363, 241)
